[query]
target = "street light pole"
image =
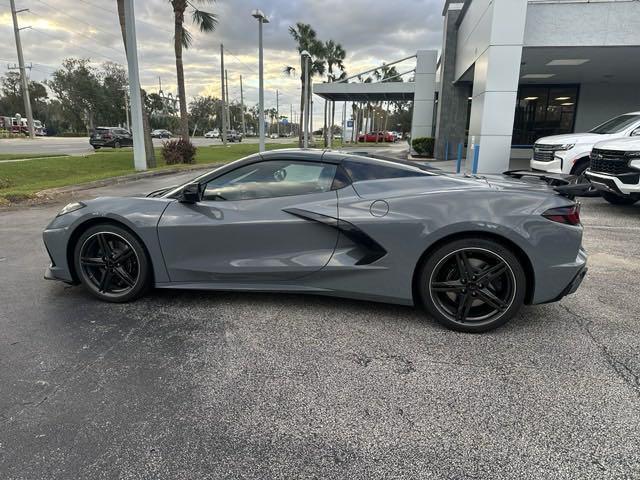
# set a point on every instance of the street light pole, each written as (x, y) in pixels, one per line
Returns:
(139, 157)
(261, 17)
(223, 133)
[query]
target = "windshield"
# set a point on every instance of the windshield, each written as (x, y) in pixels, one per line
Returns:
(616, 124)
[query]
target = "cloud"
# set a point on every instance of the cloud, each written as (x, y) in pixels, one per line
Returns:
(370, 32)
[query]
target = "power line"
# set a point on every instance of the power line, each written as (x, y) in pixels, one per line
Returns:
(75, 32)
(247, 66)
(73, 18)
(77, 46)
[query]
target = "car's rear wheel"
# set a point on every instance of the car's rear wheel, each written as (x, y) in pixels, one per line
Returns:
(472, 285)
(117, 144)
(619, 199)
(112, 263)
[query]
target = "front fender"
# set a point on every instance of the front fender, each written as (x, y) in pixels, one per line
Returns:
(140, 215)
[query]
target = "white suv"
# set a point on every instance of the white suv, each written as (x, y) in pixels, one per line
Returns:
(615, 170)
(570, 153)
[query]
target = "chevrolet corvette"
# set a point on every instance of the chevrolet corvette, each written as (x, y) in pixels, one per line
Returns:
(470, 249)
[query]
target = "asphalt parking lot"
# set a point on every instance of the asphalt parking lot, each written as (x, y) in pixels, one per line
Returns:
(185, 385)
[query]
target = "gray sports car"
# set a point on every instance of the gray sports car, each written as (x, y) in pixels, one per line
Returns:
(471, 249)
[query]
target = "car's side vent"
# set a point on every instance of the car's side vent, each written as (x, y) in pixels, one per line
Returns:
(371, 250)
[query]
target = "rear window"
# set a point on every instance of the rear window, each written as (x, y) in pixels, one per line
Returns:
(370, 169)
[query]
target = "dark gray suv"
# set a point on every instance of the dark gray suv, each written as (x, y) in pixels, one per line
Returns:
(114, 137)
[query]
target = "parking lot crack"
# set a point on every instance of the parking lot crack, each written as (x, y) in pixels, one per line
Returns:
(623, 370)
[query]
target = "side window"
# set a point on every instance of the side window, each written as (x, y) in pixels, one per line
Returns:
(375, 170)
(273, 178)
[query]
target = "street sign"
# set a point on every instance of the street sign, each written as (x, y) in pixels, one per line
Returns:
(349, 123)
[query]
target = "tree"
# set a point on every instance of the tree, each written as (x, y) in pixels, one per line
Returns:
(305, 37)
(11, 96)
(202, 110)
(334, 56)
(206, 22)
(150, 155)
(78, 88)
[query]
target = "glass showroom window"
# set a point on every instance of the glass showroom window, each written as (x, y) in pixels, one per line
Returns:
(543, 110)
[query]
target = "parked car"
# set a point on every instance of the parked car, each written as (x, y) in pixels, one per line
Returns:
(115, 137)
(273, 135)
(215, 133)
(233, 136)
(161, 133)
(501, 242)
(380, 136)
(614, 170)
(570, 153)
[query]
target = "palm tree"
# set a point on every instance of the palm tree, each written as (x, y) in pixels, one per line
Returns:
(305, 36)
(182, 39)
(150, 155)
(334, 56)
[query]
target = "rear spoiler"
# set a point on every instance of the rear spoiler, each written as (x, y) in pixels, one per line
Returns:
(566, 185)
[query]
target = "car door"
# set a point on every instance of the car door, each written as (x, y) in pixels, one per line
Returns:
(243, 229)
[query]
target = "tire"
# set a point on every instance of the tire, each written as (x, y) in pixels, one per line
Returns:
(120, 274)
(614, 199)
(579, 171)
(460, 300)
(95, 147)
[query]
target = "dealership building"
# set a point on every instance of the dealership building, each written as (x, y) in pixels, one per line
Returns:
(512, 71)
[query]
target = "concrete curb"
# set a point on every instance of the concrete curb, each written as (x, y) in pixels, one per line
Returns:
(105, 182)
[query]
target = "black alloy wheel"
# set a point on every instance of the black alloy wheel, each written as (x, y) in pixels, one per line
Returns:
(111, 263)
(472, 285)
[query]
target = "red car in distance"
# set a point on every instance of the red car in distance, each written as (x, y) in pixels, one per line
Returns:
(380, 136)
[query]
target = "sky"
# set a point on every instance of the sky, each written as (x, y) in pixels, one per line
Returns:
(371, 32)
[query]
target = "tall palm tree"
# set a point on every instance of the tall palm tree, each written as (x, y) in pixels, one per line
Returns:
(150, 155)
(182, 39)
(305, 37)
(334, 56)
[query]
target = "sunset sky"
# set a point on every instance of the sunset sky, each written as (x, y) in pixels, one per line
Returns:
(370, 32)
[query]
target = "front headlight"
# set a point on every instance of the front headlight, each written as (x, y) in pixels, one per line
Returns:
(566, 146)
(71, 207)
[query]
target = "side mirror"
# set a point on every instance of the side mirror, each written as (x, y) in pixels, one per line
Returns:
(190, 193)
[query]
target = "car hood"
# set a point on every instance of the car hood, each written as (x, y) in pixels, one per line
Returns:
(570, 138)
(625, 144)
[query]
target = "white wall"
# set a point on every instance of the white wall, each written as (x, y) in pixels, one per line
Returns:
(600, 101)
(582, 24)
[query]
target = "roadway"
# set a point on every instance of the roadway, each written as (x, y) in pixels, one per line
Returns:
(80, 145)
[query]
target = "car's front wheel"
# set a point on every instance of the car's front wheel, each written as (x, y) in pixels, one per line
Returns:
(619, 199)
(472, 285)
(112, 263)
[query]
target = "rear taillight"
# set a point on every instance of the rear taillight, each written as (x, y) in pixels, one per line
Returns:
(568, 215)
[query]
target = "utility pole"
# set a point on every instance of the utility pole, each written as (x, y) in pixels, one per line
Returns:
(223, 133)
(244, 126)
(139, 157)
(291, 118)
(226, 83)
(278, 113)
(23, 73)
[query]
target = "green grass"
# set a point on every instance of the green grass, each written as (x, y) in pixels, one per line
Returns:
(18, 156)
(21, 180)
